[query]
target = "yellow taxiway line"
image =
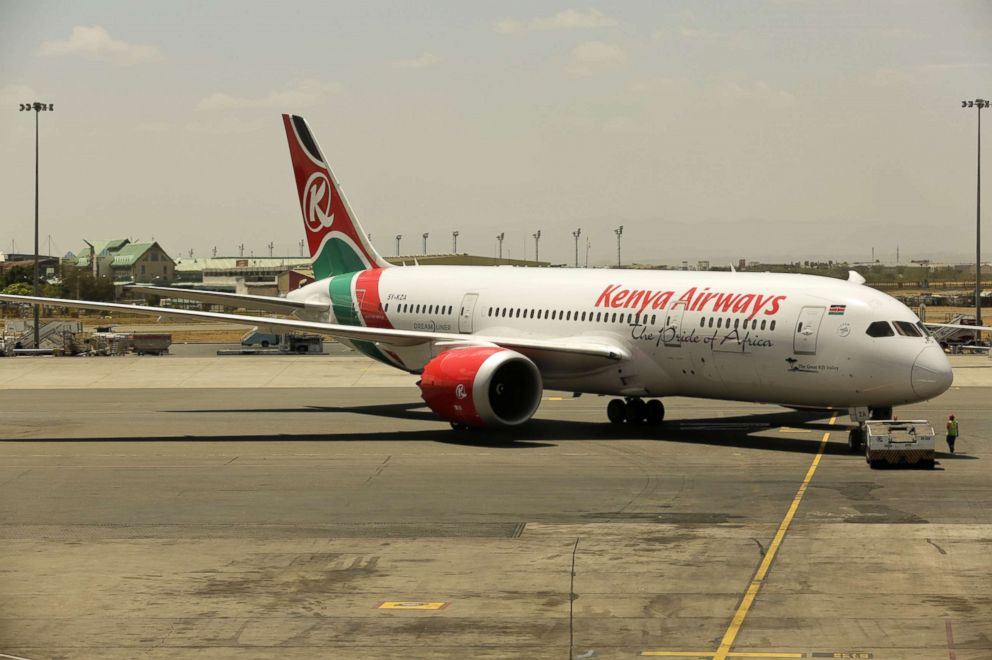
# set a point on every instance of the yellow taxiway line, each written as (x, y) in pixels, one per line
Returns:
(737, 622)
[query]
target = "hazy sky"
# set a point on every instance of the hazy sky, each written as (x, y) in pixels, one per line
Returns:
(773, 130)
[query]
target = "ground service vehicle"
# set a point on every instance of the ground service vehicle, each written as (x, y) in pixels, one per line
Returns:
(899, 441)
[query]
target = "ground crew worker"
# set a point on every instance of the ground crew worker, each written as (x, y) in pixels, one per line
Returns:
(952, 432)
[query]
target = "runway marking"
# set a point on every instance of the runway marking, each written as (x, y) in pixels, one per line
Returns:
(789, 429)
(760, 654)
(736, 654)
(554, 398)
(768, 556)
(752, 591)
(12, 657)
(411, 605)
(951, 655)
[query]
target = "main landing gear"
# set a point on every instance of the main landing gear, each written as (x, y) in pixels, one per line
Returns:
(635, 410)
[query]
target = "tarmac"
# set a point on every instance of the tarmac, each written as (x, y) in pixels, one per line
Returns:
(311, 507)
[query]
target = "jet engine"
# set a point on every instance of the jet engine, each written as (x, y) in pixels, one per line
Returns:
(482, 386)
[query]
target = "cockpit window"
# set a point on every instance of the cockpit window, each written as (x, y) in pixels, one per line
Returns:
(880, 329)
(923, 329)
(907, 329)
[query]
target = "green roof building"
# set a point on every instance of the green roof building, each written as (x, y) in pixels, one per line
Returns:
(127, 262)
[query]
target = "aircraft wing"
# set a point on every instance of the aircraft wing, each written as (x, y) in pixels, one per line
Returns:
(574, 346)
(983, 328)
(264, 303)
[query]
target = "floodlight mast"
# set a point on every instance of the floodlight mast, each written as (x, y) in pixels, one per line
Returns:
(978, 104)
(619, 232)
(399, 237)
(424, 236)
(454, 242)
(537, 245)
(499, 237)
(575, 235)
(37, 108)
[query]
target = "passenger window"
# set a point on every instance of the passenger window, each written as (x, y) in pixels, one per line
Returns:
(710, 324)
(906, 329)
(762, 324)
(719, 323)
(532, 313)
(654, 319)
(772, 325)
(702, 321)
(737, 323)
(583, 316)
(880, 329)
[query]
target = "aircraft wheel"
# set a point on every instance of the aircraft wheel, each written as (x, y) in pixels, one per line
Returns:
(458, 426)
(637, 411)
(655, 411)
(616, 410)
(876, 463)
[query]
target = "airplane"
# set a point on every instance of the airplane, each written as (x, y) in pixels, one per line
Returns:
(487, 341)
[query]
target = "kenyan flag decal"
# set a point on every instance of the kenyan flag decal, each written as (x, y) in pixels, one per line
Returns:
(838, 310)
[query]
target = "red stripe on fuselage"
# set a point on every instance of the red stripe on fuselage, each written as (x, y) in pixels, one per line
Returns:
(368, 299)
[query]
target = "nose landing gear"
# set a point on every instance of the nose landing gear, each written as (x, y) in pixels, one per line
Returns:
(636, 410)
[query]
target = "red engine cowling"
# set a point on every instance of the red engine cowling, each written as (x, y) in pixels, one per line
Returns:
(482, 386)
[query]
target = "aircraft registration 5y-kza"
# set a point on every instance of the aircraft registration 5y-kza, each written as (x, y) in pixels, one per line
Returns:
(487, 341)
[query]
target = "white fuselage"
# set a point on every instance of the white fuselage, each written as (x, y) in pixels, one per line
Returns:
(778, 338)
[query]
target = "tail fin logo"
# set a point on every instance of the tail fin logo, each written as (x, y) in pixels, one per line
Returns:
(318, 197)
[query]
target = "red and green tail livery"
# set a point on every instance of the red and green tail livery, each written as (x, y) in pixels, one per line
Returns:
(336, 241)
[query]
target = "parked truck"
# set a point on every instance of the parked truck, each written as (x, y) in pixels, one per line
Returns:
(287, 343)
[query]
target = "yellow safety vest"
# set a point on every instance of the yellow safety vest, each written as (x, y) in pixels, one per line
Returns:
(952, 427)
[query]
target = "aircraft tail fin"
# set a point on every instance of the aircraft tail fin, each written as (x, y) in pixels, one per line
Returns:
(337, 243)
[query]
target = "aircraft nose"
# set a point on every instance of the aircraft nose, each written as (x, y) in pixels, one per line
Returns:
(932, 373)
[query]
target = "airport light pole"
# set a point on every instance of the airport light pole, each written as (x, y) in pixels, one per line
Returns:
(38, 108)
(424, 236)
(537, 245)
(454, 242)
(575, 235)
(499, 237)
(399, 237)
(978, 104)
(619, 232)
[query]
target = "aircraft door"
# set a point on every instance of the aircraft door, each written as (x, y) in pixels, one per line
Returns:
(807, 329)
(466, 313)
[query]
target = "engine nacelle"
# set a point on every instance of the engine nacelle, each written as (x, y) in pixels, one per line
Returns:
(482, 386)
